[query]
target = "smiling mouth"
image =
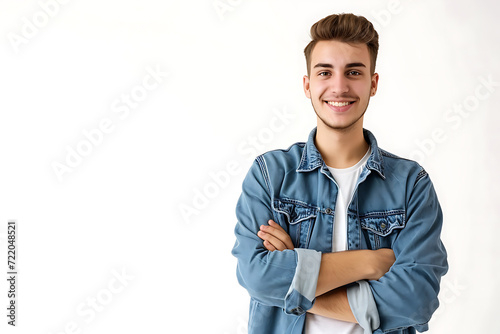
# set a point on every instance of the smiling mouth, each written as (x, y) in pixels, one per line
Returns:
(339, 104)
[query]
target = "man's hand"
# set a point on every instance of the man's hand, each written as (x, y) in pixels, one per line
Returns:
(275, 237)
(376, 262)
(339, 268)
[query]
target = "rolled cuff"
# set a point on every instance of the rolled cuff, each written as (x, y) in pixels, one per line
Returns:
(363, 306)
(302, 291)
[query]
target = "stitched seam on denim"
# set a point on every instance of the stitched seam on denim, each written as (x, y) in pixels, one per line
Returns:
(316, 209)
(391, 155)
(382, 234)
(308, 235)
(383, 214)
(404, 327)
(297, 202)
(283, 212)
(358, 221)
(263, 169)
(305, 218)
(377, 166)
(302, 159)
(421, 175)
(389, 231)
(313, 215)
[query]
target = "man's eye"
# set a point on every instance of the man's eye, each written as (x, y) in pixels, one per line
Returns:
(324, 73)
(355, 73)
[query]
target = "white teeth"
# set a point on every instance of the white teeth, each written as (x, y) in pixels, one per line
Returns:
(338, 104)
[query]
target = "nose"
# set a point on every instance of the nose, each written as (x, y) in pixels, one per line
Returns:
(339, 84)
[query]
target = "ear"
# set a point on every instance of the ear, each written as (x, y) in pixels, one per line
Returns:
(305, 82)
(373, 90)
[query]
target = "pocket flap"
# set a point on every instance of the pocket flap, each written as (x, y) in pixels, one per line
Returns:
(294, 210)
(383, 222)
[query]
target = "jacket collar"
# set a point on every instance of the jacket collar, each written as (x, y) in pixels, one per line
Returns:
(311, 158)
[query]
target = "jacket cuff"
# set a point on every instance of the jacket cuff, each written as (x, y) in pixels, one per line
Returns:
(363, 306)
(302, 291)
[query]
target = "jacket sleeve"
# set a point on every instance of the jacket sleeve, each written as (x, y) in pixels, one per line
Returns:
(286, 279)
(406, 296)
(363, 306)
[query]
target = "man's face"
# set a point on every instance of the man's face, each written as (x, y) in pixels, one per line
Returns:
(340, 83)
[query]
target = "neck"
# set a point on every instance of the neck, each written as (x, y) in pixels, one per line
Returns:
(341, 148)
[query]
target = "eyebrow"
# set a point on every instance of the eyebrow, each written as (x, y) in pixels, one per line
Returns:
(326, 65)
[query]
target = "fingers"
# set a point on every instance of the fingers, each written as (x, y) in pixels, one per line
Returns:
(269, 246)
(275, 242)
(275, 237)
(280, 233)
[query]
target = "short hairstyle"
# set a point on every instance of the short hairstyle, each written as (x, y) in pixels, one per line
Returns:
(347, 28)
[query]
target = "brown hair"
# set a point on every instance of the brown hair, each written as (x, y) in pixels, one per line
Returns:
(347, 28)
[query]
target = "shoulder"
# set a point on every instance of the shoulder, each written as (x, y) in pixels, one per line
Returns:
(283, 159)
(272, 166)
(397, 166)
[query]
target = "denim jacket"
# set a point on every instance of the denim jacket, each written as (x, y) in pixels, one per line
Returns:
(394, 206)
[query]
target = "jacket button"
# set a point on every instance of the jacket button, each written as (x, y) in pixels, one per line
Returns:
(328, 211)
(382, 225)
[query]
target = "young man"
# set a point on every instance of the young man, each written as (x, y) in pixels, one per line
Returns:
(337, 235)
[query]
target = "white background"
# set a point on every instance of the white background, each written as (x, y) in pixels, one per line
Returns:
(230, 70)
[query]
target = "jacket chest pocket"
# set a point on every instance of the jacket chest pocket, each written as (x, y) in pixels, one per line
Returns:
(297, 218)
(381, 228)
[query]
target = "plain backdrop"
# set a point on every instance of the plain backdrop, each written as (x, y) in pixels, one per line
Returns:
(127, 127)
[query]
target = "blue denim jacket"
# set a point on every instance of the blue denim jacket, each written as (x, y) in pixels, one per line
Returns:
(394, 206)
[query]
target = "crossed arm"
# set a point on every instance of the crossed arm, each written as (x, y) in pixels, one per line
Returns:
(336, 270)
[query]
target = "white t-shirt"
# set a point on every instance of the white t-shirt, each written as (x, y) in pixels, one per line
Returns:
(346, 179)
